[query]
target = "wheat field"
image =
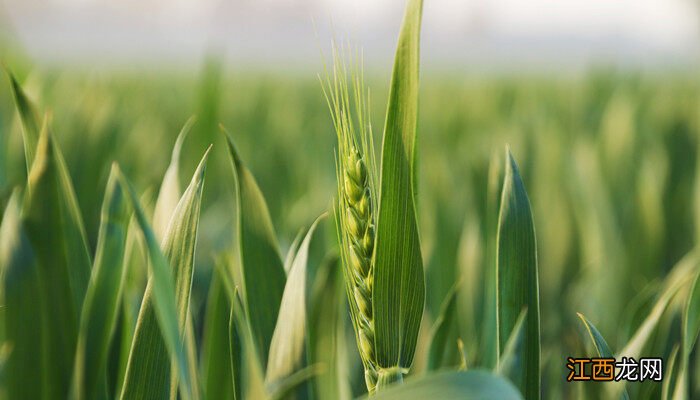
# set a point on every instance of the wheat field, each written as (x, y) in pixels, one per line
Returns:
(231, 234)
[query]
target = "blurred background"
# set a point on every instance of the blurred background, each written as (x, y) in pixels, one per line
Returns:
(510, 34)
(599, 101)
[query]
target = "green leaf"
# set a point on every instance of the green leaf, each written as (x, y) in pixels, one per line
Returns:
(161, 324)
(103, 295)
(169, 194)
(599, 342)
(55, 231)
(517, 277)
(443, 351)
(289, 347)
(261, 263)
(292, 252)
(691, 319)
(670, 373)
(286, 387)
(26, 370)
(327, 333)
(399, 291)
(511, 362)
(235, 356)
(243, 351)
(689, 334)
(453, 385)
(489, 331)
(679, 276)
(77, 254)
(603, 351)
(30, 117)
(216, 362)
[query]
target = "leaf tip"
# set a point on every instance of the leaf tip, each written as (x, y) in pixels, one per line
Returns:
(202, 167)
(232, 149)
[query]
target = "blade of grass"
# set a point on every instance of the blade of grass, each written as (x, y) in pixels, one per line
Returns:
(289, 347)
(103, 295)
(511, 362)
(292, 252)
(25, 373)
(160, 328)
(689, 335)
(235, 356)
(77, 254)
(286, 387)
(453, 385)
(671, 374)
(242, 344)
(399, 288)
(261, 263)
(443, 351)
(30, 117)
(602, 349)
(216, 361)
(169, 194)
(679, 276)
(55, 231)
(493, 205)
(517, 277)
(327, 331)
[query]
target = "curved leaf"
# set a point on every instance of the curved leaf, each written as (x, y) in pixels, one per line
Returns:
(289, 347)
(443, 351)
(603, 350)
(30, 117)
(679, 276)
(169, 194)
(689, 334)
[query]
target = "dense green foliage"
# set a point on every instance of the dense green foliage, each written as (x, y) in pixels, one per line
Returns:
(600, 216)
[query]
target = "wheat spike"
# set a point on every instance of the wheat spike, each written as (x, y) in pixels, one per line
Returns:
(355, 210)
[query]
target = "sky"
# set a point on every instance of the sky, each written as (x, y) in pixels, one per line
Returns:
(566, 33)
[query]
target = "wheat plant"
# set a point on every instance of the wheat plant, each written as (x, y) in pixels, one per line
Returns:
(243, 289)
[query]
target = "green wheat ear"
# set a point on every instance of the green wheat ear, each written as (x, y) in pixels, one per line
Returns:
(356, 205)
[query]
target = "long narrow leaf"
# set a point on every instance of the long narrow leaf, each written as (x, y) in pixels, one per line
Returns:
(689, 335)
(103, 294)
(602, 349)
(55, 231)
(327, 333)
(25, 372)
(511, 363)
(30, 117)
(243, 347)
(158, 338)
(261, 263)
(399, 291)
(517, 277)
(169, 194)
(443, 351)
(216, 364)
(289, 347)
